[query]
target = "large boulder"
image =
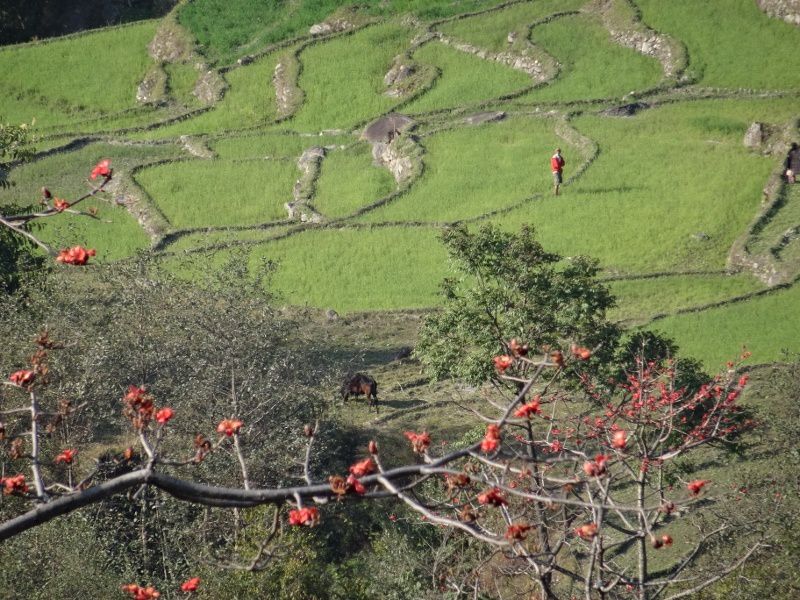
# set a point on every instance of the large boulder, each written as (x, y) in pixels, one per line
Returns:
(386, 128)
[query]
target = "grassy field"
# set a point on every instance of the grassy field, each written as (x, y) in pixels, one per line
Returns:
(592, 66)
(350, 180)
(656, 186)
(491, 30)
(224, 237)
(464, 80)
(248, 102)
(343, 79)
(201, 193)
(642, 299)
(71, 79)
(228, 29)
(659, 198)
(748, 49)
(493, 166)
(114, 233)
(347, 277)
(765, 325)
(668, 192)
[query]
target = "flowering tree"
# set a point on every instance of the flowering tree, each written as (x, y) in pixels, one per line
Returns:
(579, 489)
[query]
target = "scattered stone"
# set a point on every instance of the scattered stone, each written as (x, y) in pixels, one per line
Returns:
(626, 110)
(245, 60)
(170, 44)
(701, 236)
(151, 89)
(287, 94)
(310, 159)
(755, 136)
(208, 88)
(398, 73)
(333, 26)
(485, 117)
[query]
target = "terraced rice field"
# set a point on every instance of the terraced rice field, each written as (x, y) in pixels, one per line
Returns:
(660, 187)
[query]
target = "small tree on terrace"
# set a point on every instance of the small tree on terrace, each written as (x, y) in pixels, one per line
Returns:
(509, 287)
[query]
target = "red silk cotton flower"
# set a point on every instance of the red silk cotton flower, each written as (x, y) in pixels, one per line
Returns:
(22, 378)
(491, 441)
(103, 169)
(138, 592)
(190, 585)
(60, 205)
(67, 456)
(14, 485)
(165, 414)
(502, 362)
(419, 441)
(364, 467)
(493, 497)
(229, 426)
(596, 467)
(587, 531)
(619, 440)
(516, 531)
(696, 486)
(77, 255)
(304, 516)
(531, 408)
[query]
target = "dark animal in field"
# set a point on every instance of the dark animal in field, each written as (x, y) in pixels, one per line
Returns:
(360, 384)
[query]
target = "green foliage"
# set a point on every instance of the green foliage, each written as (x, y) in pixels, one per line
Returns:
(19, 257)
(15, 142)
(508, 287)
(229, 29)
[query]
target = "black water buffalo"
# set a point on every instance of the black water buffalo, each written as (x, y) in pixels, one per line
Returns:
(358, 384)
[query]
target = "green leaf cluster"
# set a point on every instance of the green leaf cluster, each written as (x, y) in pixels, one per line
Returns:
(508, 287)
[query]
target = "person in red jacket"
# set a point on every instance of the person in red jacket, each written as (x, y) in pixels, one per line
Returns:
(557, 163)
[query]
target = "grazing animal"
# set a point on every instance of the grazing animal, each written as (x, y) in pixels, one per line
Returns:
(359, 384)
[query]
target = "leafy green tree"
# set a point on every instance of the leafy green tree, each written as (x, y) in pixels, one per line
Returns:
(509, 287)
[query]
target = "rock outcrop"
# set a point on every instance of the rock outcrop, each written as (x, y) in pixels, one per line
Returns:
(309, 165)
(787, 10)
(209, 87)
(288, 94)
(623, 24)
